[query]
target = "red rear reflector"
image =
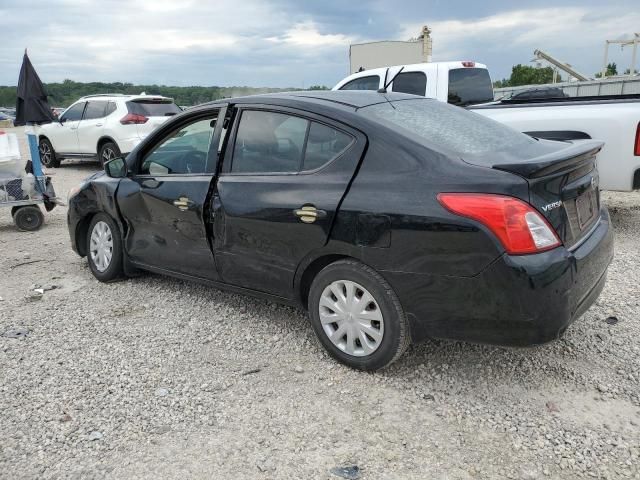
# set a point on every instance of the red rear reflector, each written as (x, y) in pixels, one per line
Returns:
(519, 227)
(132, 118)
(636, 150)
(469, 64)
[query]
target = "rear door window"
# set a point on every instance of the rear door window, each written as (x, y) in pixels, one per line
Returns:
(414, 83)
(95, 109)
(271, 142)
(268, 142)
(469, 86)
(323, 145)
(371, 82)
(153, 108)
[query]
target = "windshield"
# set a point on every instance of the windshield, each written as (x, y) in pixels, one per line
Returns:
(441, 125)
(469, 86)
(153, 107)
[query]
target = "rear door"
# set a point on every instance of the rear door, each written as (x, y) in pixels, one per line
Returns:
(65, 139)
(91, 126)
(285, 173)
(164, 202)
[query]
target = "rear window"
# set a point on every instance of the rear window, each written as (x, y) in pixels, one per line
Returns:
(469, 86)
(153, 108)
(441, 125)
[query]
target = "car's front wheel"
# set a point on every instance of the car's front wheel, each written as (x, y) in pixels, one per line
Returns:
(104, 248)
(357, 316)
(107, 152)
(47, 154)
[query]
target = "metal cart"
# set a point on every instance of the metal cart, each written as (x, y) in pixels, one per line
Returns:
(24, 195)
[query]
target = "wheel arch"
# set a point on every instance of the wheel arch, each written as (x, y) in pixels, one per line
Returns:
(43, 136)
(82, 228)
(307, 273)
(105, 139)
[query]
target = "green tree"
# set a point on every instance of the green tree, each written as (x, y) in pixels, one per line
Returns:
(612, 69)
(527, 75)
(65, 93)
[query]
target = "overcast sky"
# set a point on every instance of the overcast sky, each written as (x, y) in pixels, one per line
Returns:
(289, 43)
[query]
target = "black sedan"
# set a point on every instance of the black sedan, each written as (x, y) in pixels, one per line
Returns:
(390, 218)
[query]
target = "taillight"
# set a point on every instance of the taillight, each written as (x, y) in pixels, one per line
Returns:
(133, 118)
(469, 64)
(518, 226)
(636, 150)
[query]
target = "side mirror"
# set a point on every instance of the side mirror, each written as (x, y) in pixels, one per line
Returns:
(116, 168)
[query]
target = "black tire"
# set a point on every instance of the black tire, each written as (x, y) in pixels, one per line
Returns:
(107, 152)
(113, 270)
(47, 154)
(396, 335)
(28, 218)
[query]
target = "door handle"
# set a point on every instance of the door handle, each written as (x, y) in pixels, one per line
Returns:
(98, 124)
(73, 128)
(309, 213)
(183, 203)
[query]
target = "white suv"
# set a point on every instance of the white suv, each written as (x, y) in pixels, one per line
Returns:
(103, 126)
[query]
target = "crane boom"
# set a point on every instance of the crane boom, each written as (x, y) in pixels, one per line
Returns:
(561, 65)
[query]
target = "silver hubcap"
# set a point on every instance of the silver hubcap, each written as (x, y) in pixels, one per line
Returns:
(108, 154)
(101, 248)
(351, 318)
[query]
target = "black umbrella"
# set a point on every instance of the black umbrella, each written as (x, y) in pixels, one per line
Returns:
(32, 106)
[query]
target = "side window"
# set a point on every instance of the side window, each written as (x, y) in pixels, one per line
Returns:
(183, 151)
(268, 142)
(323, 145)
(95, 109)
(111, 107)
(74, 113)
(414, 83)
(372, 82)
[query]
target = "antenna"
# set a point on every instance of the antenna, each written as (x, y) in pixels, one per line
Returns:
(386, 84)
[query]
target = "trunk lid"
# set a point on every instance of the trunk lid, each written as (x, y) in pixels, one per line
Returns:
(563, 187)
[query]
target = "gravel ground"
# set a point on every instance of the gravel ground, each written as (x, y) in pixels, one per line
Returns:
(157, 378)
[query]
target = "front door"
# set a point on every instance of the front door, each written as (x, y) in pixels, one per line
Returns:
(65, 139)
(284, 175)
(164, 202)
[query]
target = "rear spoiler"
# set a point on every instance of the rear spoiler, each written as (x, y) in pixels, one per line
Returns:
(566, 159)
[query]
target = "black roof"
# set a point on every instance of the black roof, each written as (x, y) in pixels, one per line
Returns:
(347, 98)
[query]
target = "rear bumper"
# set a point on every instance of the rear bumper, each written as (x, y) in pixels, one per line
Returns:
(517, 300)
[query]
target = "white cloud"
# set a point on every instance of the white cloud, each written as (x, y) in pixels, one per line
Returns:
(306, 34)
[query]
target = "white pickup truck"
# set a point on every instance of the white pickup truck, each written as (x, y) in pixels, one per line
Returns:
(612, 119)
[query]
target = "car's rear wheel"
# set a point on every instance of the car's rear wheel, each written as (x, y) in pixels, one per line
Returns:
(47, 154)
(104, 248)
(357, 316)
(108, 151)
